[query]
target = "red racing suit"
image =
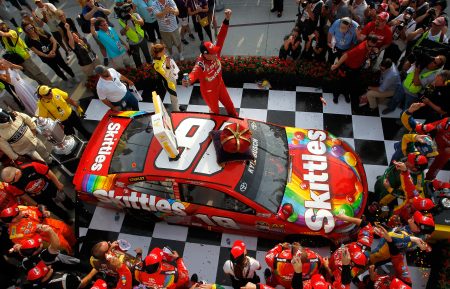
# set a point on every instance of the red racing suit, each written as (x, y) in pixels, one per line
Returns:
(442, 128)
(209, 73)
(6, 198)
(26, 227)
(168, 276)
(282, 269)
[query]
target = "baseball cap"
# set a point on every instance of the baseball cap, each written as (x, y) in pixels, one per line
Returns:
(383, 7)
(43, 90)
(35, 1)
(383, 16)
(207, 47)
(419, 161)
(357, 254)
(318, 282)
(239, 243)
(31, 243)
(409, 10)
(398, 284)
(422, 204)
(154, 257)
(440, 21)
(99, 284)
(9, 213)
(425, 223)
(100, 69)
(37, 272)
(237, 252)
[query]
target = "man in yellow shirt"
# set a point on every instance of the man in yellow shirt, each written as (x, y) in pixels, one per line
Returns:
(55, 104)
(14, 44)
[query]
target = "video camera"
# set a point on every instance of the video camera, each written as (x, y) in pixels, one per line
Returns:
(124, 11)
(423, 54)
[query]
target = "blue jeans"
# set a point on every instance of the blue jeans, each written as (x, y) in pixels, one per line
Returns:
(399, 97)
(128, 101)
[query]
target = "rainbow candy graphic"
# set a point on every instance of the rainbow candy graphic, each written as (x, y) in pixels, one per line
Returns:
(345, 181)
(92, 182)
(131, 114)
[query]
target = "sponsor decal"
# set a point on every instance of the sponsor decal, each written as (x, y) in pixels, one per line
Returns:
(107, 146)
(136, 179)
(140, 201)
(262, 226)
(279, 228)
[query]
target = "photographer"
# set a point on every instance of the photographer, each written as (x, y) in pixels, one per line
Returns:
(437, 10)
(436, 97)
(91, 10)
(403, 30)
(308, 16)
(132, 24)
(420, 72)
(436, 33)
(292, 45)
(342, 36)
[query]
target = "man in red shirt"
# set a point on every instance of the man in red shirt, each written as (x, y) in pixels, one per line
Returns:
(380, 29)
(349, 66)
(208, 70)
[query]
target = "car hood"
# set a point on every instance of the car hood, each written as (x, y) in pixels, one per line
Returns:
(326, 178)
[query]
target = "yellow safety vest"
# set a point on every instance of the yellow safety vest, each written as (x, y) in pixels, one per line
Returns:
(18, 45)
(133, 35)
(409, 85)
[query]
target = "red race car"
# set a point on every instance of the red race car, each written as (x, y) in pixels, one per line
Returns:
(298, 180)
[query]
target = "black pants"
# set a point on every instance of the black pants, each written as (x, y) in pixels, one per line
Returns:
(150, 29)
(333, 55)
(72, 122)
(58, 37)
(349, 86)
(278, 5)
(237, 284)
(10, 89)
(135, 52)
(198, 29)
(56, 63)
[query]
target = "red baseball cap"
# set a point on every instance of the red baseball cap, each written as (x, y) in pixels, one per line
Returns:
(357, 254)
(37, 272)
(207, 47)
(425, 223)
(31, 243)
(398, 284)
(154, 257)
(9, 213)
(237, 251)
(384, 7)
(318, 282)
(286, 254)
(99, 284)
(383, 16)
(422, 204)
(240, 243)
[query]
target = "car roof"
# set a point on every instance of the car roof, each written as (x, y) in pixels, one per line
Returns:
(196, 163)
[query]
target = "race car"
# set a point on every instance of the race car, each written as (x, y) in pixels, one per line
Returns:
(297, 181)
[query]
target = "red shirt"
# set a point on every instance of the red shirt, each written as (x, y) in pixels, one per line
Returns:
(357, 56)
(384, 35)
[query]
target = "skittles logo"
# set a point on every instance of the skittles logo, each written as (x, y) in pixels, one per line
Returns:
(326, 180)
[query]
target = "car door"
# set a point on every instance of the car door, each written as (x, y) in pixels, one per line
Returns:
(214, 209)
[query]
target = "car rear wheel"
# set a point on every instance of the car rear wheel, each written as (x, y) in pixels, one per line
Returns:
(309, 241)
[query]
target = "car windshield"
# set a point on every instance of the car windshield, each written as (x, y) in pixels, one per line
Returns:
(264, 179)
(131, 150)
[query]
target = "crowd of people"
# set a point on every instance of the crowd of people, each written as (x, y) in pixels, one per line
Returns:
(37, 239)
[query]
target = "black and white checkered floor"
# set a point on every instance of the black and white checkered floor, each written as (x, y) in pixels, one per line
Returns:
(205, 252)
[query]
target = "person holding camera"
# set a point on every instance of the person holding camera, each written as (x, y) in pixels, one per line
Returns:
(315, 46)
(436, 33)
(132, 24)
(403, 30)
(292, 45)
(308, 16)
(145, 10)
(428, 15)
(342, 36)
(420, 72)
(436, 97)
(116, 48)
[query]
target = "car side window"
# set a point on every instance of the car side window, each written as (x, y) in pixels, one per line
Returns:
(213, 198)
(154, 188)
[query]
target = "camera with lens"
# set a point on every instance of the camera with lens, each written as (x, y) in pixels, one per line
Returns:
(420, 57)
(124, 11)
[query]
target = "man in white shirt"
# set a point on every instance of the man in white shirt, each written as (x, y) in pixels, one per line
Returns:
(46, 12)
(113, 92)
